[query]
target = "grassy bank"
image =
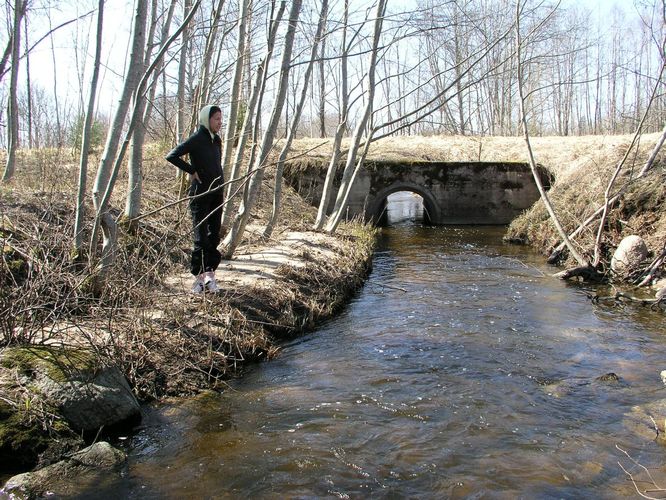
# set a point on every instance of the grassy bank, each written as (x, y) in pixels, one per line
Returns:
(144, 320)
(582, 168)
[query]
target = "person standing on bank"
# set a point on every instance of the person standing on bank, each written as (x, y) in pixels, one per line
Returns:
(206, 176)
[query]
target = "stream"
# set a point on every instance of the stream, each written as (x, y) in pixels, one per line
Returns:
(461, 369)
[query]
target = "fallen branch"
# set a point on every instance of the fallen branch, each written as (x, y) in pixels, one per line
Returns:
(587, 272)
(654, 267)
(622, 296)
(657, 488)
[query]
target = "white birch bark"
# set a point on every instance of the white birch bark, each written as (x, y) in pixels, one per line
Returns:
(351, 168)
(339, 132)
(86, 133)
(279, 169)
(233, 238)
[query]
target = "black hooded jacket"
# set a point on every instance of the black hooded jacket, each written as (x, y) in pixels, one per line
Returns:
(205, 150)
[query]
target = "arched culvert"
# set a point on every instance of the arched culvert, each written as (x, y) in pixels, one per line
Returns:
(376, 207)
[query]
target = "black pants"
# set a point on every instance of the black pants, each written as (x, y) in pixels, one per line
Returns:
(207, 220)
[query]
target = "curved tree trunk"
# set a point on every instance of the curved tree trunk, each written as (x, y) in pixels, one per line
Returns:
(279, 169)
(233, 238)
(85, 139)
(351, 168)
(104, 172)
(251, 116)
(340, 130)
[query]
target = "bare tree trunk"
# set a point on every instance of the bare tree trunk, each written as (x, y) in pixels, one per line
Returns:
(233, 238)
(182, 66)
(134, 165)
(351, 169)
(252, 116)
(13, 123)
(342, 125)
(28, 85)
(104, 172)
(236, 85)
(85, 139)
(279, 169)
(544, 196)
(322, 91)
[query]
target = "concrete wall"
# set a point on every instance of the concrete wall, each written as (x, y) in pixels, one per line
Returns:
(453, 192)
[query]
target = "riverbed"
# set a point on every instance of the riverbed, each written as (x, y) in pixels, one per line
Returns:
(460, 369)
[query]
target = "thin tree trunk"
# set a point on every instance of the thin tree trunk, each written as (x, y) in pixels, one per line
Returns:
(236, 86)
(544, 196)
(85, 139)
(351, 169)
(279, 169)
(28, 85)
(13, 123)
(329, 181)
(182, 66)
(104, 172)
(252, 116)
(233, 238)
(135, 163)
(322, 91)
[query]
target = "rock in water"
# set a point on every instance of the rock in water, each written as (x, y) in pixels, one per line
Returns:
(630, 253)
(67, 477)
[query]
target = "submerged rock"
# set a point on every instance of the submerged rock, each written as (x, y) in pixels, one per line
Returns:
(629, 255)
(66, 477)
(564, 387)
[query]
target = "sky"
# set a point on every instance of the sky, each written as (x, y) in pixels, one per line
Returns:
(62, 66)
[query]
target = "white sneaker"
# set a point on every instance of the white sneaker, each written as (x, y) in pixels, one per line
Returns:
(198, 286)
(210, 282)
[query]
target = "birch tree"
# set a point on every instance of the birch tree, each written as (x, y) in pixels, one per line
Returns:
(279, 168)
(13, 121)
(103, 218)
(252, 115)
(351, 166)
(233, 238)
(343, 98)
(86, 134)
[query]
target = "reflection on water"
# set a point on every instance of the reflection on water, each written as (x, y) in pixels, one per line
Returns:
(462, 369)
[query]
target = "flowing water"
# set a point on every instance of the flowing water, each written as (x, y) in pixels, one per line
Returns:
(461, 369)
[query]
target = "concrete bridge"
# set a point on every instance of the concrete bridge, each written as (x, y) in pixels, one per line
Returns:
(452, 192)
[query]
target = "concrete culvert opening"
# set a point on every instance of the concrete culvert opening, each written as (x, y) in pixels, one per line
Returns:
(403, 206)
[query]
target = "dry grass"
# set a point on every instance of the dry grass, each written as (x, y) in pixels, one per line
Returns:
(166, 341)
(582, 167)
